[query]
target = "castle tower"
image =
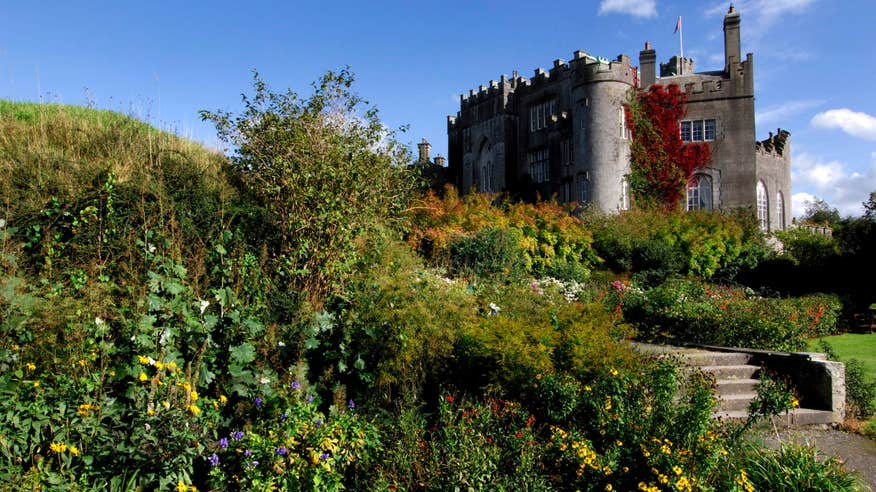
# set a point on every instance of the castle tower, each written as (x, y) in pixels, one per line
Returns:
(732, 49)
(647, 66)
(424, 147)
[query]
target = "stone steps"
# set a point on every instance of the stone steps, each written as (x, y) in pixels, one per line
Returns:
(736, 385)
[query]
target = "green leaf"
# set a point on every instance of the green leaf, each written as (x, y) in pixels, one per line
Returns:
(243, 354)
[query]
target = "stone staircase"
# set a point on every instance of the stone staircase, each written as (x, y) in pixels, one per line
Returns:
(736, 379)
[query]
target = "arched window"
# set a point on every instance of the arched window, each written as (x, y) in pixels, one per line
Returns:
(763, 207)
(780, 210)
(625, 194)
(699, 193)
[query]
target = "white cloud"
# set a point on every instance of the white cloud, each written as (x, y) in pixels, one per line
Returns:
(760, 15)
(782, 112)
(832, 181)
(799, 201)
(636, 8)
(861, 125)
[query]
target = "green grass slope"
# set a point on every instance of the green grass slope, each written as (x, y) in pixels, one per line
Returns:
(80, 187)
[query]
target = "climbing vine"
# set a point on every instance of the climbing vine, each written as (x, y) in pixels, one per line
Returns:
(660, 163)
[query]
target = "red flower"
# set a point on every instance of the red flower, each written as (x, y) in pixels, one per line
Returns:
(449, 398)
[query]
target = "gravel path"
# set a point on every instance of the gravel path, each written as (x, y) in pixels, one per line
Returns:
(858, 452)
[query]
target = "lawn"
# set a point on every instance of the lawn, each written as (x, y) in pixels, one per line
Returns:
(853, 346)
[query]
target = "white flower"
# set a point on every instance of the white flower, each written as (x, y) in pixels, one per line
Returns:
(151, 361)
(2, 223)
(98, 321)
(150, 248)
(281, 344)
(264, 380)
(204, 303)
(494, 309)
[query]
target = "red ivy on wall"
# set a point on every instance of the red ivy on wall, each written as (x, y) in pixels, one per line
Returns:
(660, 163)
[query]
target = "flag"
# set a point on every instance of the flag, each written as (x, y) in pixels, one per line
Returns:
(677, 25)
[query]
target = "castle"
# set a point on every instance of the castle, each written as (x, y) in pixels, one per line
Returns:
(563, 133)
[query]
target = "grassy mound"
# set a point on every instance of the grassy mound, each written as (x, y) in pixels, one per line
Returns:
(76, 181)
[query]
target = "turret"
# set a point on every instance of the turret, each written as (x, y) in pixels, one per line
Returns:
(647, 66)
(424, 148)
(732, 50)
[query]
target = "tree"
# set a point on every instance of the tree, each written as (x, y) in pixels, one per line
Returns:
(325, 170)
(818, 211)
(870, 207)
(661, 164)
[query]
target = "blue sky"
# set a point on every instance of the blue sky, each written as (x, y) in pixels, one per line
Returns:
(163, 61)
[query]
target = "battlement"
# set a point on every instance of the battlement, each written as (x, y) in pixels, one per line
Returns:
(774, 145)
(582, 63)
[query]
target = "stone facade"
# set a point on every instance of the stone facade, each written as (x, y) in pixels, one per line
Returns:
(563, 133)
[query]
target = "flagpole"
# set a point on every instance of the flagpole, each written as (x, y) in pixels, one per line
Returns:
(681, 46)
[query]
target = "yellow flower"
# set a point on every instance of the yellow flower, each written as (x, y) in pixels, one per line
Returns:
(36, 384)
(613, 371)
(619, 443)
(143, 376)
(159, 364)
(86, 408)
(165, 404)
(30, 366)
(15, 347)
(150, 412)
(74, 450)
(676, 469)
(608, 488)
(82, 362)
(171, 365)
(795, 403)
(187, 386)
(222, 399)
(58, 447)
(216, 404)
(194, 409)
(663, 479)
(588, 388)
(193, 395)
(182, 487)
(143, 359)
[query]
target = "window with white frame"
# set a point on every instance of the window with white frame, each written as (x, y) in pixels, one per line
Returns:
(622, 123)
(763, 207)
(540, 114)
(566, 152)
(699, 193)
(583, 189)
(539, 168)
(698, 130)
(625, 194)
(780, 209)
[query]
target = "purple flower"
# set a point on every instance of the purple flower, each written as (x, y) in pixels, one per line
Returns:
(281, 451)
(223, 443)
(258, 401)
(324, 456)
(317, 423)
(237, 435)
(352, 404)
(253, 464)
(214, 460)
(296, 385)
(283, 417)
(247, 453)
(309, 398)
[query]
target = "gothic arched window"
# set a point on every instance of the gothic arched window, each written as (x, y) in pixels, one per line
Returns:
(699, 193)
(763, 207)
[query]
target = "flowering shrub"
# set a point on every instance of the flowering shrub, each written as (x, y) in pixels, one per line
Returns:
(550, 240)
(690, 311)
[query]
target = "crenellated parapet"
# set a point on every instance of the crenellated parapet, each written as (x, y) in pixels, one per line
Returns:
(774, 145)
(583, 67)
